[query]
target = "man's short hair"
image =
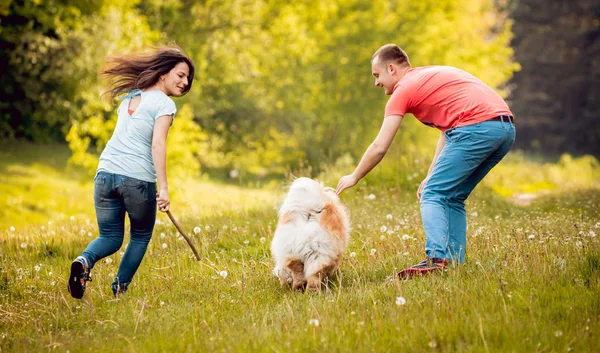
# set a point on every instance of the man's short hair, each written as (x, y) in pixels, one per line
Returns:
(391, 53)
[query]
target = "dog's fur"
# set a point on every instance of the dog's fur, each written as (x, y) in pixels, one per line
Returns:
(311, 235)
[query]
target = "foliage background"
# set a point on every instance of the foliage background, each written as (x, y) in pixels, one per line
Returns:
(279, 86)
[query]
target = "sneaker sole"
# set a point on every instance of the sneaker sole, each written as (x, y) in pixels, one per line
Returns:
(75, 287)
(415, 272)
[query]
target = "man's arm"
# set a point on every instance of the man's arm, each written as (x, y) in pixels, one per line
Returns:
(374, 153)
(438, 149)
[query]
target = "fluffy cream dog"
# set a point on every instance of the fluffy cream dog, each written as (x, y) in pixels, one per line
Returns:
(311, 235)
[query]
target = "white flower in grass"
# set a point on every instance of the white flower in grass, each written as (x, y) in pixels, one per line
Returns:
(558, 333)
(370, 197)
(531, 236)
(246, 242)
(353, 254)
(223, 274)
(383, 229)
(24, 245)
(405, 253)
(53, 283)
(72, 218)
(592, 233)
(578, 243)
(162, 303)
(108, 260)
(432, 344)
(12, 228)
(37, 268)
(89, 234)
(382, 237)
(400, 301)
(82, 232)
(597, 226)
(474, 214)
(313, 322)
(373, 251)
(225, 227)
(164, 245)
(197, 230)
(263, 239)
(234, 173)
(162, 235)
(389, 216)
(405, 237)
(43, 227)
(207, 227)
(50, 273)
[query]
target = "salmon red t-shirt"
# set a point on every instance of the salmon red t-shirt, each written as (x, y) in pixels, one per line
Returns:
(445, 97)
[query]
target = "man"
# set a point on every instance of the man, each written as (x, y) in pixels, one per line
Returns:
(477, 130)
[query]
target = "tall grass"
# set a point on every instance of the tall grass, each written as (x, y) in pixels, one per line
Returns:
(531, 282)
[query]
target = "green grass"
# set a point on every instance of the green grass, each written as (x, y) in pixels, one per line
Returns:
(531, 282)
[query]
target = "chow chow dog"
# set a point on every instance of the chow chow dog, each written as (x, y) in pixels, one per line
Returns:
(311, 235)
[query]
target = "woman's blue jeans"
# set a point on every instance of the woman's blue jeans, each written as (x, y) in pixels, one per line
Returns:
(113, 196)
(469, 154)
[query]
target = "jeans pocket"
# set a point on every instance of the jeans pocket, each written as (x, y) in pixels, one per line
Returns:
(139, 191)
(101, 187)
(450, 135)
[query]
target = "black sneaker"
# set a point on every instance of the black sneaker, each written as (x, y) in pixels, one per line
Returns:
(80, 274)
(423, 268)
(119, 288)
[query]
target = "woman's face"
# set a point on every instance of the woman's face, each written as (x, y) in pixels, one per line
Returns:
(176, 80)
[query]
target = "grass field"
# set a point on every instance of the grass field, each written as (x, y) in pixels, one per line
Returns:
(531, 282)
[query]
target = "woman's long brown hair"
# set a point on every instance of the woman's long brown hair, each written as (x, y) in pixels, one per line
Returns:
(141, 71)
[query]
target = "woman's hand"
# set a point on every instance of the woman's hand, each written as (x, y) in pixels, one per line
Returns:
(162, 199)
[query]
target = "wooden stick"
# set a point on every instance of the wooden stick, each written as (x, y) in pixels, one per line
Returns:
(183, 234)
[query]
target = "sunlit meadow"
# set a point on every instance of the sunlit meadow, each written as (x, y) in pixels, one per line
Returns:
(531, 282)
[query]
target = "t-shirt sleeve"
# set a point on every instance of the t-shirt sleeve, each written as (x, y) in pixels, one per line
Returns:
(121, 107)
(166, 107)
(398, 104)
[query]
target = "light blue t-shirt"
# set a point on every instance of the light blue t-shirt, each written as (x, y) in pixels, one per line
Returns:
(129, 150)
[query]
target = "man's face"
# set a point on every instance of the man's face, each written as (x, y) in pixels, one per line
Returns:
(383, 74)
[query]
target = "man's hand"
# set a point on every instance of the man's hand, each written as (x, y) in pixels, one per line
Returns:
(346, 182)
(421, 187)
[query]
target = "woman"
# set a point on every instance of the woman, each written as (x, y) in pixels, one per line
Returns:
(133, 159)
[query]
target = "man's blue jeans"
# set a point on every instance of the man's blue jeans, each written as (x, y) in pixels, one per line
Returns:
(113, 196)
(469, 154)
